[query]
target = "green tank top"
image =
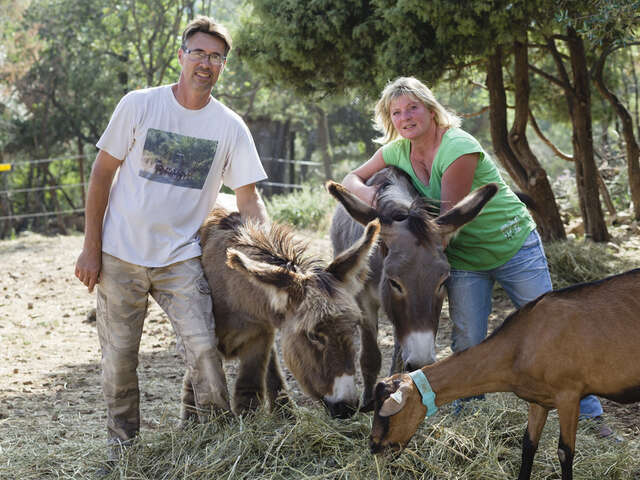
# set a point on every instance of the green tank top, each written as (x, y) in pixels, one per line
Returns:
(498, 232)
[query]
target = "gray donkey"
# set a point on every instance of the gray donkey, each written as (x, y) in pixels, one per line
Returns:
(408, 269)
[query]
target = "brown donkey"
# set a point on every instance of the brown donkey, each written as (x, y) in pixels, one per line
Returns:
(262, 279)
(552, 352)
(409, 268)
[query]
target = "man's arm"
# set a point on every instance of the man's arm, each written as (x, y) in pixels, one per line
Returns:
(250, 205)
(90, 260)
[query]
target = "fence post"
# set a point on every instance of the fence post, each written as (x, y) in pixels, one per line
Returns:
(5, 207)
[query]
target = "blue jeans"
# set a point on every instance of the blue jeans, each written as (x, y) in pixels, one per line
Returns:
(525, 277)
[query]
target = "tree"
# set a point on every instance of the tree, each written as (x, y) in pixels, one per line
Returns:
(376, 40)
(631, 144)
(611, 28)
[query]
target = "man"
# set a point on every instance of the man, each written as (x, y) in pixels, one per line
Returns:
(172, 147)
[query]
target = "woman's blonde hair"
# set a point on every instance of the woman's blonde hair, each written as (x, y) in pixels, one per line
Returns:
(414, 88)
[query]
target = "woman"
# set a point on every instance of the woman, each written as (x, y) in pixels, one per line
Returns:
(445, 163)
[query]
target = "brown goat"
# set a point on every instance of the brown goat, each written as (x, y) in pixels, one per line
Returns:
(263, 279)
(408, 269)
(552, 352)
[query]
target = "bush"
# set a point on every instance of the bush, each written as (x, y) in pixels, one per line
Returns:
(309, 208)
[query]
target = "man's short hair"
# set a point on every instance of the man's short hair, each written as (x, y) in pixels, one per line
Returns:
(209, 26)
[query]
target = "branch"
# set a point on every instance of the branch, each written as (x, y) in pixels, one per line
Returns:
(546, 75)
(474, 114)
(478, 84)
(557, 36)
(564, 76)
(559, 153)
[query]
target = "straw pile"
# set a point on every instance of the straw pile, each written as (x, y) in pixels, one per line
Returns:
(481, 442)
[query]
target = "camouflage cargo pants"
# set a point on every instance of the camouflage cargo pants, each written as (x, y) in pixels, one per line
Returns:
(183, 293)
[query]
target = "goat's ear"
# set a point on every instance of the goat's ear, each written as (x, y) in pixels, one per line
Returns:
(279, 284)
(359, 211)
(396, 401)
(351, 267)
(466, 209)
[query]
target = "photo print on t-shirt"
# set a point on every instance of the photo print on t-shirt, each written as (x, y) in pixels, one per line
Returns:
(177, 159)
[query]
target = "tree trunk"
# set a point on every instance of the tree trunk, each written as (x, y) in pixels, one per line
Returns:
(272, 141)
(631, 145)
(81, 170)
(579, 100)
(550, 224)
(324, 142)
(309, 148)
(292, 156)
(535, 181)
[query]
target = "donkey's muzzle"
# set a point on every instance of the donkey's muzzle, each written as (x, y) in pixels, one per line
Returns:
(340, 409)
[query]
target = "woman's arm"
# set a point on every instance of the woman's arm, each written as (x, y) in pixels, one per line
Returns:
(355, 180)
(457, 180)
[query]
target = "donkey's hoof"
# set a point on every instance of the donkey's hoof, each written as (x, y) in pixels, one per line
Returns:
(188, 416)
(245, 403)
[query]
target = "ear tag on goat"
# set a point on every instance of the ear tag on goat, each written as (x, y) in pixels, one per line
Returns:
(427, 394)
(397, 397)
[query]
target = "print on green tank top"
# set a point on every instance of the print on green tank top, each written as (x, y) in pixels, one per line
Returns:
(498, 232)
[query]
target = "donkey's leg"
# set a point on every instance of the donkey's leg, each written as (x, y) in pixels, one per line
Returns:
(397, 365)
(254, 359)
(537, 419)
(276, 388)
(370, 356)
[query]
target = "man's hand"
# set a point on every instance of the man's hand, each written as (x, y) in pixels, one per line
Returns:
(90, 260)
(88, 268)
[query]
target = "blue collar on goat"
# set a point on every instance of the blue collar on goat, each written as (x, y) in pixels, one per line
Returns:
(428, 395)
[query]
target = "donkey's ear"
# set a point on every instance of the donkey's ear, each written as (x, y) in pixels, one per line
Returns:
(352, 266)
(279, 284)
(466, 209)
(359, 211)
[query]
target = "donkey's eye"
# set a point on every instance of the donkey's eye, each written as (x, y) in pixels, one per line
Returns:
(396, 286)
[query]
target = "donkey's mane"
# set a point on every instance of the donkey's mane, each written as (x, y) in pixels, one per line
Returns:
(279, 246)
(276, 245)
(394, 193)
(397, 199)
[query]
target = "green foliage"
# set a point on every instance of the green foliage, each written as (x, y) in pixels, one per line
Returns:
(317, 47)
(599, 20)
(309, 208)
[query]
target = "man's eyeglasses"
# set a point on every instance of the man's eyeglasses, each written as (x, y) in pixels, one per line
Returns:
(200, 56)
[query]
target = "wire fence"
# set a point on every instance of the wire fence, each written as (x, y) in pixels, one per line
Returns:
(8, 169)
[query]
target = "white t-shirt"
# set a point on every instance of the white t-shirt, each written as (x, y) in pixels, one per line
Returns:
(175, 161)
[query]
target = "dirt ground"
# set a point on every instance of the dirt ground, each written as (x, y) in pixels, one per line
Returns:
(49, 351)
